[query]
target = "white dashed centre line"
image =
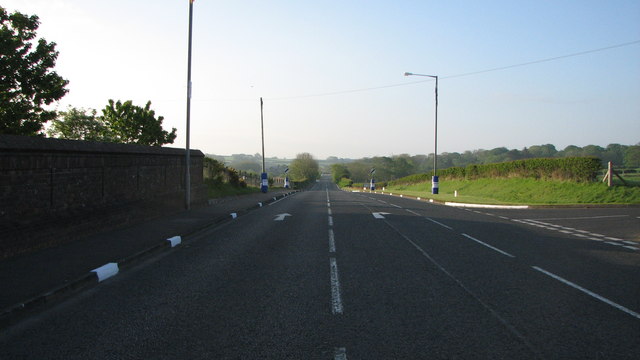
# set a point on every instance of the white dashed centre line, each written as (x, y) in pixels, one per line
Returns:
(336, 298)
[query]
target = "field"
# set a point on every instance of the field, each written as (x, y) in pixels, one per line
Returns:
(523, 191)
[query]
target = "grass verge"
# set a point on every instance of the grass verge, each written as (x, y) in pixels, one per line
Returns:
(523, 191)
(225, 189)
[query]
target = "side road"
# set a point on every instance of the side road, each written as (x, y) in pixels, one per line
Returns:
(33, 280)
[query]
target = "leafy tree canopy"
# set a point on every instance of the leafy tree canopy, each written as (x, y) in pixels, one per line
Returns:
(79, 124)
(27, 82)
(304, 167)
(133, 124)
(120, 123)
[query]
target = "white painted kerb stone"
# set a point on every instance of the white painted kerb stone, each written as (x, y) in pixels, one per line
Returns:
(106, 271)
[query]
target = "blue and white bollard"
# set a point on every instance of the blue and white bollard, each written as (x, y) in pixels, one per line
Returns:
(434, 185)
(286, 183)
(372, 185)
(265, 183)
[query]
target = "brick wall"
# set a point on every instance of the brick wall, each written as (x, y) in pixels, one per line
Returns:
(53, 191)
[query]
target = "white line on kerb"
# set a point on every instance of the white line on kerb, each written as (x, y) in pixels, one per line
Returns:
(487, 245)
(336, 298)
(332, 241)
(590, 293)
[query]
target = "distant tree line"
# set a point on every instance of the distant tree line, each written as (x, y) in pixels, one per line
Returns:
(398, 166)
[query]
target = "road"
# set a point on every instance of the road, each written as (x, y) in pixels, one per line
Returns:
(327, 274)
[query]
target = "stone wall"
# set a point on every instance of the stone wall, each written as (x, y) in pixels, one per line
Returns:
(53, 191)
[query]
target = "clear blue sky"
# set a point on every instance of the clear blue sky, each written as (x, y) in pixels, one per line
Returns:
(305, 57)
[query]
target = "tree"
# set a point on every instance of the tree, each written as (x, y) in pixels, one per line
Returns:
(304, 167)
(132, 124)
(339, 171)
(79, 124)
(26, 82)
(632, 157)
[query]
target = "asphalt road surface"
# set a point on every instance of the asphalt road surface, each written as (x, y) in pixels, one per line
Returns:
(326, 274)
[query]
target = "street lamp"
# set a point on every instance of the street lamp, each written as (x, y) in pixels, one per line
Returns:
(187, 175)
(264, 184)
(434, 180)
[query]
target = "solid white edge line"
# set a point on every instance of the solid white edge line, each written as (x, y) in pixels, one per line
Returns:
(486, 206)
(332, 241)
(439, 223)
(588, 292)
(487, 245)
(336, 298)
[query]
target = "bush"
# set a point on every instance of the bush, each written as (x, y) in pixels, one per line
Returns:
(345, 182)
(578, 169)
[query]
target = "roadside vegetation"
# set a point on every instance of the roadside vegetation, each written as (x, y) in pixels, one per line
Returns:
(222, 181)
(566, 181)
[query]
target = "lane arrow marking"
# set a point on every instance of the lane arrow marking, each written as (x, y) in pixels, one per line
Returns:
(379, 215)
(281, 217)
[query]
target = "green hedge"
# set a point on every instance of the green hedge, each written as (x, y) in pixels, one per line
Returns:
(576, 169)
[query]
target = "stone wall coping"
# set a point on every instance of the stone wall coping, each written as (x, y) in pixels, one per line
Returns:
(16, 143)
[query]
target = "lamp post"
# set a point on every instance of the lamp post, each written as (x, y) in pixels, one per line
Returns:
(187, 176)
(264, 184)
(434, 180)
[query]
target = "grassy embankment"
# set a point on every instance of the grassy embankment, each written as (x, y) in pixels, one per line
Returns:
(523, 191)
(226, 189)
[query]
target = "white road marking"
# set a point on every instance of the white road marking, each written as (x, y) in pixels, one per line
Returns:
(280, 217)
(579, 233)
(330, 220)
(612, 238)
(329, 211)
(379, 215)
(336, 298)
(332, 241)
(495, 314)
(587, 217)
(340, 354)
(487, 245)
(399, 207)
(590, 293)
(413, 212)
(439, 223)
(631, 247)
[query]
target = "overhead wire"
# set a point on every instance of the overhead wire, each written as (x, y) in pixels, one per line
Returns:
(340, 92)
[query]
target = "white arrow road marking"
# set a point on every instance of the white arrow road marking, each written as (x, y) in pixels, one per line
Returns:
(281, 217)
(379, 215)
